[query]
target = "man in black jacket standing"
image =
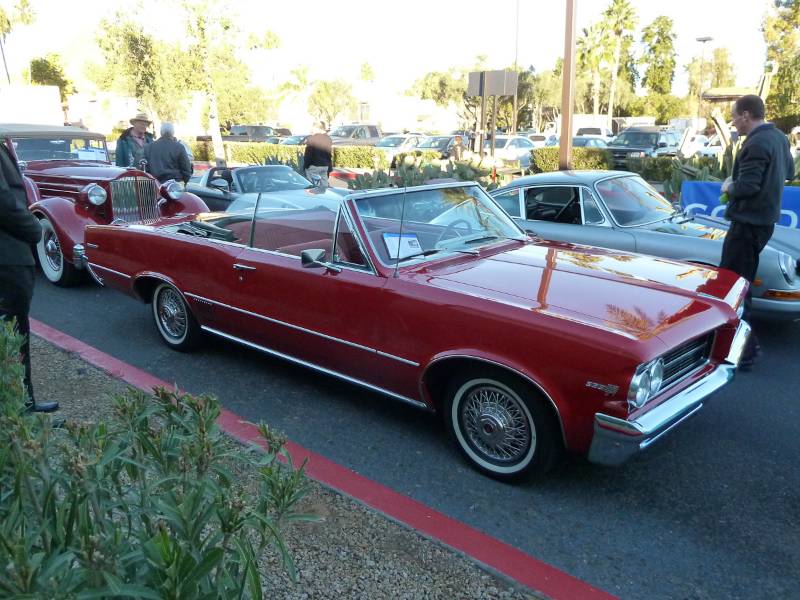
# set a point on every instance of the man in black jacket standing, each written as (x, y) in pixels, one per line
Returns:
(755, 192)
(318, 158)
(19, 229)
(167, 158)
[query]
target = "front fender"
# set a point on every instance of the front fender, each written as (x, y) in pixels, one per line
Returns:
(187, 204)
(68, 220)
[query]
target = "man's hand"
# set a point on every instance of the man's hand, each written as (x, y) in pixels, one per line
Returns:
(726, 185)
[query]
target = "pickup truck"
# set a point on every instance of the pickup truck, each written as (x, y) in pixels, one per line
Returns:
(356, 135)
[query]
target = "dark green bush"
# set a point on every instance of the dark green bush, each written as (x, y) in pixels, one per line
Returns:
(652, 169)
(544, 160)
(144, 506)
(201, 150)
(259, 153)
(359, 157)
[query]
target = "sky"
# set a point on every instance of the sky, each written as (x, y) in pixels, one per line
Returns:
(402, 40)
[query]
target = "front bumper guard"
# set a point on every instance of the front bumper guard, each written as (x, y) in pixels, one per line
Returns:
(81, 261)
(617, 440)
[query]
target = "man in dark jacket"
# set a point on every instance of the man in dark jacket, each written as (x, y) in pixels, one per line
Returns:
(132, 142)
(166, 157)
(755, 192)
(318, 158)
(19, 229)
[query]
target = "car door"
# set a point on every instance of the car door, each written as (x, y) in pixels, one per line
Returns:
(311, 314)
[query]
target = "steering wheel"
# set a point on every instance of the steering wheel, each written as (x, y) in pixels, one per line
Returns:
(564, 209)
(451, 228)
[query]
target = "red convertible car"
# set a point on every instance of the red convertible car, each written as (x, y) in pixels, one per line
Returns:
(435, 297)
(71, 183)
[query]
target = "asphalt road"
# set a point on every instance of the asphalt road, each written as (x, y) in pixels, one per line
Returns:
(713, 511)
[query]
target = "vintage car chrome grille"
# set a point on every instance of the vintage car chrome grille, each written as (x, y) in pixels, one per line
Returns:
(134, 199)
(686, 358)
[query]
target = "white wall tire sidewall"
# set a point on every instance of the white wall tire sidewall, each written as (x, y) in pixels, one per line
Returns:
(455, 423)
(52, 275)
(165, 335)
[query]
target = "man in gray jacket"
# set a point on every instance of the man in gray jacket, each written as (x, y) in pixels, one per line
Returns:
(167, 158)
(755, 193)
(19, 229)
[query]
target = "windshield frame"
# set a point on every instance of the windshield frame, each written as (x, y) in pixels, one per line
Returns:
(611, 212)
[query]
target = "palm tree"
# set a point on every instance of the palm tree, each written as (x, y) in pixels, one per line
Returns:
(619, 19)
(593, 55)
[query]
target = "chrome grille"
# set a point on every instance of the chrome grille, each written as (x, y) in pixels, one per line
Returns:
(134, 199)
(686, 358)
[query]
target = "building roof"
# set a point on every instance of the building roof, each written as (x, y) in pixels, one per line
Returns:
(27, 130)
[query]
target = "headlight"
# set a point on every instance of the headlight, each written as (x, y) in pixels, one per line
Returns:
(646, 383)
(173, 190)
(95, 194)
(788, 267)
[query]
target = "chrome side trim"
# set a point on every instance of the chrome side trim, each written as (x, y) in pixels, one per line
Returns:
(102, 268)
(316, 367)
(513, 370)
(303, 329)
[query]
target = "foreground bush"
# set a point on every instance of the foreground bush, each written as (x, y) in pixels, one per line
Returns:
(145, 506)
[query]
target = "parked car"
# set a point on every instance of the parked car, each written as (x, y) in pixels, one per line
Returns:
(439, 143)
(434, 297)
(236, 188)
(71, 183)
(398, 143)
(511, 148)
(294, 140)
(642, 142)
(620, 210)
(603, 132)
(694, 144)
(357, 134)
(539, 139)
(589, 141)
(714, 145)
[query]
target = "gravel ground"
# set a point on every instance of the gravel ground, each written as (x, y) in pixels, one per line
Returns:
(350, 552)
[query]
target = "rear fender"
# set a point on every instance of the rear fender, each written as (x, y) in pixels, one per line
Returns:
(67, 220)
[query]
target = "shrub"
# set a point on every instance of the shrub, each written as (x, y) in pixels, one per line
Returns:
(201, 150)
(144, 506)
(413, 171)
(652, 169)
(359, 157)
(427, 156)
(546, 159)
(259, 153)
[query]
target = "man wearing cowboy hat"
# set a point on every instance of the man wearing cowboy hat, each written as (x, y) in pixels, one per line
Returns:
(130, 145)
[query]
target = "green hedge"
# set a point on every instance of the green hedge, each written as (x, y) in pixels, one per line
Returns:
(354, 157)
(546, 159)
(359, 157)
(652, 169)
(426, 156)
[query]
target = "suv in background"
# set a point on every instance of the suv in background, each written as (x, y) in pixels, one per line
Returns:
(356, 134)
(642, 142)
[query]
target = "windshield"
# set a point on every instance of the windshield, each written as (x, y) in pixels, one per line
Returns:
(344, 131)
(435, 142)
(390, 142)
(273, 178)
(637, 139)
(632, 201)
(498, 143)
(418, 224)
(61, 148)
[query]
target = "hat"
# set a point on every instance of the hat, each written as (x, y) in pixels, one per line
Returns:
(142, 116)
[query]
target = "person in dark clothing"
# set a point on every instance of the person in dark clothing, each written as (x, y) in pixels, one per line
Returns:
(755, 192)
(318, 158)
(166, 157)
(132, 142)
(19, 229)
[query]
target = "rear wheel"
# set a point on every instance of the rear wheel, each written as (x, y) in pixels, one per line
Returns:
(501, 425)
(174, 321)
(51, 258)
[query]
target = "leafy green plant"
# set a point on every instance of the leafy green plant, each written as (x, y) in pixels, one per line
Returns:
(656, 168)
(144, 506)
(544, 160)
(359, 157)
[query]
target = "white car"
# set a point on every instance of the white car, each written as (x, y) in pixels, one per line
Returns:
(398, 143)
(511, 148)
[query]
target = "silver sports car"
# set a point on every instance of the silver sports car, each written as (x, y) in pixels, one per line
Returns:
(616, 209)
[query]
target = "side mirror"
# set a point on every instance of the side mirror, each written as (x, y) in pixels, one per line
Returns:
(310, 259)
(219, 184)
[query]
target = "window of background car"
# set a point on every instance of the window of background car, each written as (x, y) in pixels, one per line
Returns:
(632, 201)
(500, 143)
(346, 250)
(509, 201)
(272, 178)
(553, 203)
(634, 139)
(343, 131)
(390, 142)
(591, 212)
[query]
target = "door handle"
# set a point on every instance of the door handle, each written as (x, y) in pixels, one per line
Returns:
(241, 267)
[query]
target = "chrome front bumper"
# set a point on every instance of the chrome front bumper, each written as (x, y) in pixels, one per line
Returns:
(617, 440)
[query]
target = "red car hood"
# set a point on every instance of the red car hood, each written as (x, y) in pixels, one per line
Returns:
(80, 169)
(634, 295)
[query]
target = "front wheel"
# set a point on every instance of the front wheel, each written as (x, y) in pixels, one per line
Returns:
(51, 258)
(175, 323)
(501, 425)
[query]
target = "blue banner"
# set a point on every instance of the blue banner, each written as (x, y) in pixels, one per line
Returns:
(702, 197)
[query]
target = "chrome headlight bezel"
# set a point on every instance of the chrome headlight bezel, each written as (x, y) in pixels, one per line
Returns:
(788, 267)
(172, 190)
(645, 383)
(95, 194)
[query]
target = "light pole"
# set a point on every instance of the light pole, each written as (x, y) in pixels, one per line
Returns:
(702, 40)
(516, 51)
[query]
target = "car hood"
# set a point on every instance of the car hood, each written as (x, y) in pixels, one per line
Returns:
(633, 295)
(74, 169)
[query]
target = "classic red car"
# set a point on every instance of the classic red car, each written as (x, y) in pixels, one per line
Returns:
(435, 297)
(75, 184)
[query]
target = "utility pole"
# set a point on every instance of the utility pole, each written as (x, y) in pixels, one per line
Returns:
(516, 52)
(702, 40)
(567, 90)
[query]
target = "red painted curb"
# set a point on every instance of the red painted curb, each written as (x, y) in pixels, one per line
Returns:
(490, 551)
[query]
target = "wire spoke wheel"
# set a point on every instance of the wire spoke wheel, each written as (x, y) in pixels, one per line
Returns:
(171, 313)
(496, 425)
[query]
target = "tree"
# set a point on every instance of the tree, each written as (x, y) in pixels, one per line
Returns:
(20, 14)
(659, 55)
(329, 99)
(594, 56)
(619, 19)
(367, 73)
(48, 71)
(721, 69)
(781, 26)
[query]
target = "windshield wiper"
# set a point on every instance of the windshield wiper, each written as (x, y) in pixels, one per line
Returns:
(483, 238)
(418, 254)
